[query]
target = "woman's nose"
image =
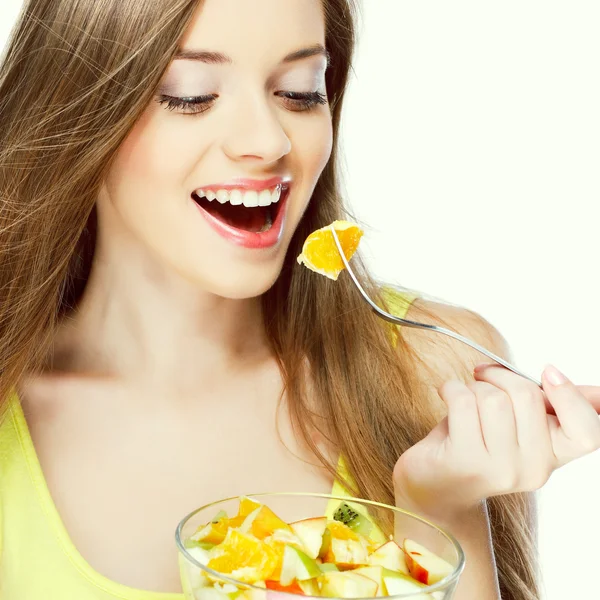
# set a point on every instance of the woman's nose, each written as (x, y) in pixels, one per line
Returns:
(256, 133)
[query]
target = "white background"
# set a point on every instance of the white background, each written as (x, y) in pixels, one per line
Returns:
(472, 143)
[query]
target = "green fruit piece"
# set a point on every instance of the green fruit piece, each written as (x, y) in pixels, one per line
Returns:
(344, 513)
(376, 574)
(348, 516)
(297, 566)
(399, 583)
(377, 536)
(347, 584)
(328, 567)
(359, 523)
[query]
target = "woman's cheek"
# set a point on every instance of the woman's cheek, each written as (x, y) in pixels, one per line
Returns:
(158, 147)
(315, 143)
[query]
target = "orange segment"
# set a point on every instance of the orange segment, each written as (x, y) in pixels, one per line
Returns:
(342, 532)
(278, 541)
(236, 521)
(320, 253)
(215, 532)
(266, 523)
(247, 506)
(278, 549)
(243, 557)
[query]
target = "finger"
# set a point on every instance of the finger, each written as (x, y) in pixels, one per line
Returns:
(439, 433)
(578, 419)
(529, 410)
(479, 371)
(562, 447)
(497, 418)
(592, 394)
(464, 428)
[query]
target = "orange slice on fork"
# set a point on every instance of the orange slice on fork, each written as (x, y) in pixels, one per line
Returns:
(320, 253)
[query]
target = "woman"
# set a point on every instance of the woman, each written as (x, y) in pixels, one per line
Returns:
(153, 315)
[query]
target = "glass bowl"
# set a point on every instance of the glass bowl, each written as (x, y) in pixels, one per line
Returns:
(199, 581)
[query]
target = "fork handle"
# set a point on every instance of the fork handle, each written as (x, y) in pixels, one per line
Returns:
(399, 321)
(456, 336)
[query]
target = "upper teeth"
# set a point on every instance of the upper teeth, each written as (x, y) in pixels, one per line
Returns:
(245, 197)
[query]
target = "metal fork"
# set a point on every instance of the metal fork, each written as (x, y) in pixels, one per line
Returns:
(386, 316)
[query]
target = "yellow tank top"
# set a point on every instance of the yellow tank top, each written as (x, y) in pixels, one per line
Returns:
(38, 560)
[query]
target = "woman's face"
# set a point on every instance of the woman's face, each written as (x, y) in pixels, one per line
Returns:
(240, 118)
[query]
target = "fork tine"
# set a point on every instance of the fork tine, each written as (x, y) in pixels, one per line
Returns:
(350, 271)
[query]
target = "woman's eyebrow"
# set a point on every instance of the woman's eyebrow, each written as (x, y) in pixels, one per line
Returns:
(216, 58)
(314, 50)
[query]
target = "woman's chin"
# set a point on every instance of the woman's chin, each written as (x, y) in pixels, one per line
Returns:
(242, 285)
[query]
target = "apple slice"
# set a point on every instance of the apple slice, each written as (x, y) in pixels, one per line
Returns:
(399, 583)
(346, 554)
(310, 532)
(390, 556)
(297, 566)
(347, 584)
(325, 545)
(286, 537)
(310, 587)
(197, 577)
(328, 567)
(424, 565)
(376, 574)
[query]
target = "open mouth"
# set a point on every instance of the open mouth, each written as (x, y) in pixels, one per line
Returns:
(246, 210)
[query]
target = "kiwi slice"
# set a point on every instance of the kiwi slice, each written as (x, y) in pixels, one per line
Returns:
(357, 522)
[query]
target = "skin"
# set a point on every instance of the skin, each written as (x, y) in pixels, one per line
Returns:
(166, 364)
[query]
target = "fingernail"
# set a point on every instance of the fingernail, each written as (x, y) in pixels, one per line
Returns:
(554, 376)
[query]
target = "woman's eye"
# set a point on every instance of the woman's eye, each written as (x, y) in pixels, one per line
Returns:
(298, 101)
(189, 105)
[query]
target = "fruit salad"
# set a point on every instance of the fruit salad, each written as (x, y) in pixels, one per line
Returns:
(344, 557)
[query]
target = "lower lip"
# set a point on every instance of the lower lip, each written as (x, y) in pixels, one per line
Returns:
(251, 239)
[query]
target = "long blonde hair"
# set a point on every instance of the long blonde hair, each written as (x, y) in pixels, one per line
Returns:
(75, 78)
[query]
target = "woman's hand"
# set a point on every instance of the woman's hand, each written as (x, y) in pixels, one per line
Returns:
(497, 438)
